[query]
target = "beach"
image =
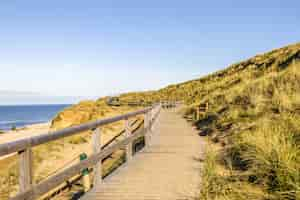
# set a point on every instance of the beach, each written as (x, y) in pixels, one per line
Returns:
(27, 131)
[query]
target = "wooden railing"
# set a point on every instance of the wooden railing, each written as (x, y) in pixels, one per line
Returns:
(29, 191)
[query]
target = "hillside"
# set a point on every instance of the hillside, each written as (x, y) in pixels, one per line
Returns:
(254, 117)
(253, 123)
(249, 70)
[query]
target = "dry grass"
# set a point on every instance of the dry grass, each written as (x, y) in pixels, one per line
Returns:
(262, 151)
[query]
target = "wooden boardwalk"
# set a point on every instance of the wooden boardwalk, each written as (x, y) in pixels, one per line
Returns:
(168, 169)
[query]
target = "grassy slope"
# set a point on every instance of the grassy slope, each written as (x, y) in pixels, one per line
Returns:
(254, 121)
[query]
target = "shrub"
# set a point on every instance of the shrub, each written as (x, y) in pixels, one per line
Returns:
(14, 128)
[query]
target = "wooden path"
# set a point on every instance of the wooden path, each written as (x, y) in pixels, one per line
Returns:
(168, 169)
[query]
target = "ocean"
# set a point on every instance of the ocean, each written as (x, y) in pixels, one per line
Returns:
(22, 115)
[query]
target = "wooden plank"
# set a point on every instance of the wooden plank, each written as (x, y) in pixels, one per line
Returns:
(96, 140)
(19, 145)
(147, 126)
(25, 169)
(129, 146)
(155, 118)
(118, 135)
(44, 186)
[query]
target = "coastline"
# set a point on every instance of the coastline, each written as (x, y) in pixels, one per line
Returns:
(26, 131)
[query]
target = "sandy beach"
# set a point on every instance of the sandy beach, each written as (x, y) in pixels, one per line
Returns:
(24, 132)
(27, 131)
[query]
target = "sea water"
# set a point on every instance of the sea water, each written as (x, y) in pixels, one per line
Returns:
(22, 115)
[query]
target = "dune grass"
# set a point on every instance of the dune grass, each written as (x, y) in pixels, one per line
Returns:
(262, 155)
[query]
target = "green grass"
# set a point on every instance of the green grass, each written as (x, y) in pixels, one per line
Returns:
(262, 151)
(273, 157)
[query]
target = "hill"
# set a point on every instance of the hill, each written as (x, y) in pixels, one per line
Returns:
(253, 124)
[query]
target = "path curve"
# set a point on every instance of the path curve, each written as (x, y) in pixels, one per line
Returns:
(169, 169)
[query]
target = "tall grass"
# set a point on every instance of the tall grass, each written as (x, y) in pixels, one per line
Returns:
(274, 158)
(263, 161)
(219, 183)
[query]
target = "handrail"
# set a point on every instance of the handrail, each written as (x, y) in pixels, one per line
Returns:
(118, 135)
(28, 191)
(21, 144)
(44, 186)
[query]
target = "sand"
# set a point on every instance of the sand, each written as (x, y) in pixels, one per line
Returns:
(27, 131)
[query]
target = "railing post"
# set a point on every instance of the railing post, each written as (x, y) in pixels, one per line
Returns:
(152, 115)
(158, 120)
(129, 146)
(25, 170)
(155, 118)
(146, 126)
(96, 139)
(85, 174)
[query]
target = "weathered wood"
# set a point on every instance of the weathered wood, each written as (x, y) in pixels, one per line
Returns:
(52, 182)
(147, 121)
(203, 107)
(19, 145)
(118, 135)
(67, 184)
(129, 146)
(25, 169)
(96, 139)
(86, 182)
(155, 118)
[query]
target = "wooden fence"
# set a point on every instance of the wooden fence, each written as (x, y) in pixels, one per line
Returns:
(29, 191)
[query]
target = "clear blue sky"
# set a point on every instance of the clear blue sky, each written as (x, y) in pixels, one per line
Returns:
(87, 48)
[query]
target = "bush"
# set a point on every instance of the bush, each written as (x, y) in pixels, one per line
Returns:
(14, 128)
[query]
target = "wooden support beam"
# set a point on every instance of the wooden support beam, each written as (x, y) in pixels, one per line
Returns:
(146, 127)
(96, 139)
(129, 145)
(152, 112)
(86, 182)
(25, 169)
